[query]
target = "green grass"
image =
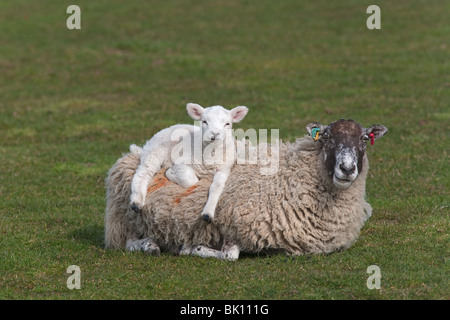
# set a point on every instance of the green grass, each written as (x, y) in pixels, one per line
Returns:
(71, 102)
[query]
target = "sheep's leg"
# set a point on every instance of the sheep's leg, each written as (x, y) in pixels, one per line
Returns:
(145, 172)
(215, 190)
(146, 245)
(201, 251)
(228, 252)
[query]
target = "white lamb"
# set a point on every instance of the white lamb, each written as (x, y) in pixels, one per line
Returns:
(192, 153)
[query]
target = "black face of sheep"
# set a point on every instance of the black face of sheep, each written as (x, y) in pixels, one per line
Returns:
(344, 145)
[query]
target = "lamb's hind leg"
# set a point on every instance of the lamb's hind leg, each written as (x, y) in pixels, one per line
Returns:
(182, 175)
(146, 245)
(149, 166)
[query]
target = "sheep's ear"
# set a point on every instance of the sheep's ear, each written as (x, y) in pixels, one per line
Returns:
(312, 129)
(378, 131)
(195, 111)
(238, 113)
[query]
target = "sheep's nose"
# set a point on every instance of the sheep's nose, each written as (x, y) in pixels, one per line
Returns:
(347, 170)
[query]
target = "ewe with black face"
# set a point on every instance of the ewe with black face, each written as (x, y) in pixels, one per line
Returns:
(344, 148)
(315, 203)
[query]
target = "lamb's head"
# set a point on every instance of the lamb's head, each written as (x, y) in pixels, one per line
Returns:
(217, 121)
(343, 147)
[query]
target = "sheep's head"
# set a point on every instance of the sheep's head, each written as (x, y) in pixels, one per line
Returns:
(344, 146)
(216, 120)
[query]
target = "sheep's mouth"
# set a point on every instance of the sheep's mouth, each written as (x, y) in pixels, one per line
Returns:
(342, 183)
(342, 180)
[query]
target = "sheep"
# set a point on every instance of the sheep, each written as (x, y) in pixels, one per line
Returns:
(314, 204)
(206, 150)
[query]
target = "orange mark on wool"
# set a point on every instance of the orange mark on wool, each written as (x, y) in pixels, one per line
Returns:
(158, 182)
(184, 194)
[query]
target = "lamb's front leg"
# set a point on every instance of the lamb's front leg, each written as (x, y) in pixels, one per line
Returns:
(215, 190)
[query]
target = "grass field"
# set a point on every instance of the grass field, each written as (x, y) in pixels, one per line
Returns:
(72, 101)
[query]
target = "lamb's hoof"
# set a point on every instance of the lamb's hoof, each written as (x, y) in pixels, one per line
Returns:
(136, 208)
(207, 218)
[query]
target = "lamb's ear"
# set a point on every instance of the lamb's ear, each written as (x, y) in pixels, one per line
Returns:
(378, 131)
(313, 127)
(238, 113)
(195, 111)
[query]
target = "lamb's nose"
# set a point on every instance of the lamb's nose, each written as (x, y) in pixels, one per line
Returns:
(214, 135)
(347, 171)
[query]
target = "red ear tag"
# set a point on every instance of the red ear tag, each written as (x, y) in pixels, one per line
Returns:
(372, 138)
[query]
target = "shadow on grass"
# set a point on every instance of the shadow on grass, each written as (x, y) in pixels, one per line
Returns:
(92, 235)
(279, 255)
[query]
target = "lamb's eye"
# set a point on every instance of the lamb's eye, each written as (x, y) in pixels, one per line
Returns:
(365, 137)
(204, 122)
(227, 124)
(326, 136)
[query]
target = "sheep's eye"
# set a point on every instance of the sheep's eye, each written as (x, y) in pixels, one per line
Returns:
(204, 122)
(365, 137)
(227, 124)
(326, 136)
